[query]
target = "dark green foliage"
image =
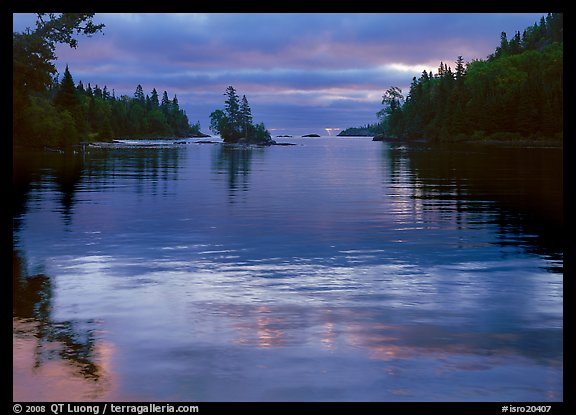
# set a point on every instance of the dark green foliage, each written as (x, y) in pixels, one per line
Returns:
(234, 123)
(96, 115)
(47, 125)
(67, 99)
(143, 116)
(139, 95)
(154, 102)
(33, 85)
(517, 92)
(367, 130)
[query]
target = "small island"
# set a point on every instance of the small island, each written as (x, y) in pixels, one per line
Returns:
(311, 135)
(234, 123)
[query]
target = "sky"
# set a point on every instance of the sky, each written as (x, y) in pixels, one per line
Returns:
(301, 73)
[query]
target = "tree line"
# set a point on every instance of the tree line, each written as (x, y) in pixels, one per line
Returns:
(50, 112)
(370, 129)
(516, 93)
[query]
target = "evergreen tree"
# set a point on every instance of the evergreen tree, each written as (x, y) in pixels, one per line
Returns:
(460, 69)
(165, 104)
(503, 48)
(232, 106)
(67, 99)
(89, 91)
(154, 102)
(245, 115)
(139, 95)
(67, 96)
(97, 92)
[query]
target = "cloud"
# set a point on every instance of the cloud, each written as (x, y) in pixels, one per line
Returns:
(304, 41)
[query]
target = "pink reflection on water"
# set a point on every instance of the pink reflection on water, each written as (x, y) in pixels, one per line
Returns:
(262, 329)
(40, 374)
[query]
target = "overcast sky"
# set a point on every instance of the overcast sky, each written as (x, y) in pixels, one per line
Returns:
(301, 73)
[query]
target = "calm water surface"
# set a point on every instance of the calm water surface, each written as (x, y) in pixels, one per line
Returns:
(336, 269)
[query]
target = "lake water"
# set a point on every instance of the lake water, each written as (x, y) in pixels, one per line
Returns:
(339, 269)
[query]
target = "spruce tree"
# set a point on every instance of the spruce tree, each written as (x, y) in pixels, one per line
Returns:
(67, 95)
(245, 114)
(165, 105)
(154, 102)
(139, 95)
(232, 106)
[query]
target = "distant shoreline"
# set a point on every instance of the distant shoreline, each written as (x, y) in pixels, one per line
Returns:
(159, 137)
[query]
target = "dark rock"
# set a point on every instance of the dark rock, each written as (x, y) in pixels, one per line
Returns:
(311, 135)
(382, 137)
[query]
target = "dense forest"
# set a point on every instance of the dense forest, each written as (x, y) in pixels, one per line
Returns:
(59, 113)
(516, 93)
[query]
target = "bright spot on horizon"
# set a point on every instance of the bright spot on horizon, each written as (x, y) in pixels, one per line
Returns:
(329, 130)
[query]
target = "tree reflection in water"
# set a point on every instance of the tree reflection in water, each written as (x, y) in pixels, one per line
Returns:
(57, 347)
(235, 161)
(517, 189)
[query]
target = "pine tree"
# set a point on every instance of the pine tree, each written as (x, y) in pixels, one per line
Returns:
(503, 48)
(89, 91)
(154, 102)
(97, 92)
(165, 105)
(460, 69)
(67, 96)
(67, 99)
(232, 105)
(245, 114)
(139, 95)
